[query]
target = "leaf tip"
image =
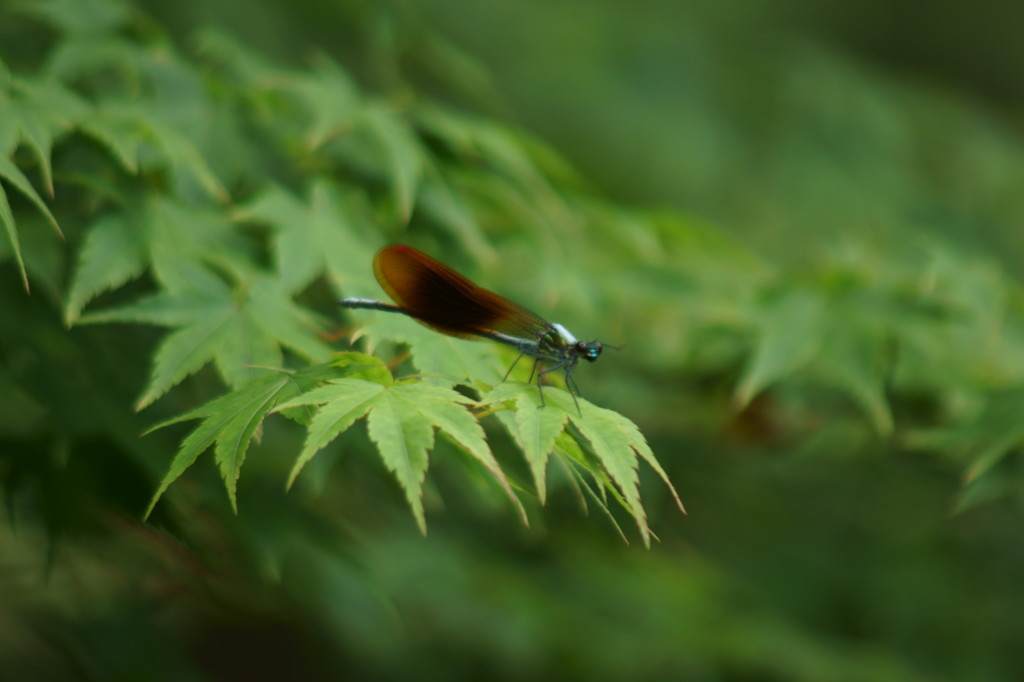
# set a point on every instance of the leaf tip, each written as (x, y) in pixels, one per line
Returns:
(294, 474)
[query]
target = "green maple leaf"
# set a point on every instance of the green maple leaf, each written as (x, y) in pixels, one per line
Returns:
(177, 242)
(240, 329)
(615, 441)
(33, 114)
(230, 422)
(41, 110)
(322, 235)
(113, 253)
(233, 420)
(401, 419)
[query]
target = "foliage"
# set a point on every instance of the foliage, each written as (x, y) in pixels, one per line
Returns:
(369, 163)
(869, 379)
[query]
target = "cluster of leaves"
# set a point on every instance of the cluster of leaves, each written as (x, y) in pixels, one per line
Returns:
(401, 418)
(245, 192)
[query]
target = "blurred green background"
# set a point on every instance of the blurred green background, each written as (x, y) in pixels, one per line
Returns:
(802, 219)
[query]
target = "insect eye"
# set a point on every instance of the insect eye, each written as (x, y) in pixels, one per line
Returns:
(590, 351)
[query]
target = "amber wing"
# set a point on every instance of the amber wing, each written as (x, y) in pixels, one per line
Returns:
(442, 299)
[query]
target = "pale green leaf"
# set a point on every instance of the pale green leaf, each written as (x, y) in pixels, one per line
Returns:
(184, 240)
(505, 150)
(639, 444)
(78, 56)
(298, 258)
(533, 428)
(246, 347)
(38, 136)
(362, 366)
(245, 66)
(237, 432)
(346, 235)
(576, 463)
(448, 126)
(614, 439)
(441, 407)
(343, 402)
(163, 309)
(614, 448)
(230, 421)
(403, 437)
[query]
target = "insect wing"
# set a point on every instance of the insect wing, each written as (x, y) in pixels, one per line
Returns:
(442, 299)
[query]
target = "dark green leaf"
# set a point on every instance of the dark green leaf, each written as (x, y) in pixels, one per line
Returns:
(112, 254)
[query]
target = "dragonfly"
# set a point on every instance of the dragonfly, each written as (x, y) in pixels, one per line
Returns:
(437, 296)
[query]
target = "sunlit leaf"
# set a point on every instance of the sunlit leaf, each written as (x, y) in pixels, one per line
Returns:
(435, 403)
(401, 419)
(343, 404)
(614, 440)
(533, 429)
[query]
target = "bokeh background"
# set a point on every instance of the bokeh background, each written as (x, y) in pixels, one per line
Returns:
(802, 219)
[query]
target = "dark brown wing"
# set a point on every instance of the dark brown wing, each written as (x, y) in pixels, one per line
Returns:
(436, 295)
